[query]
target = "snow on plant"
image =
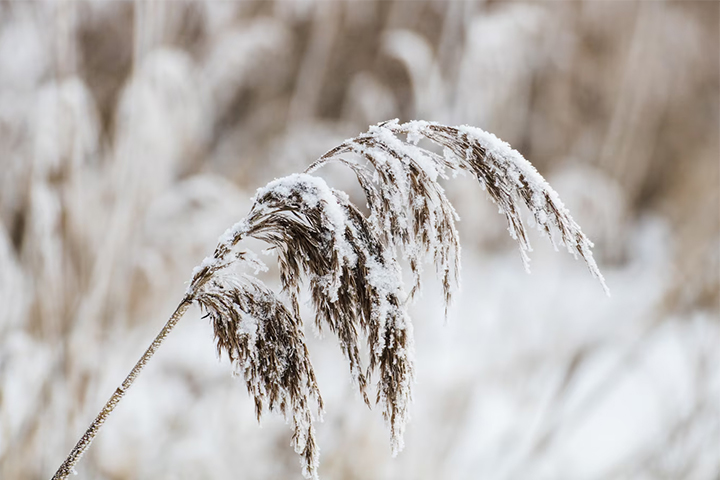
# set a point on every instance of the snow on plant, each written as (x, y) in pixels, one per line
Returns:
(351, 263)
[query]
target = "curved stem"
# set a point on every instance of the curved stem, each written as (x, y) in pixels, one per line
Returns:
(68, 465)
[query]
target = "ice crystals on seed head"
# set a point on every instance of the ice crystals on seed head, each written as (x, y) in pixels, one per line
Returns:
(351, 263)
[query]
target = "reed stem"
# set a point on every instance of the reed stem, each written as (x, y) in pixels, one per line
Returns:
(68, 465)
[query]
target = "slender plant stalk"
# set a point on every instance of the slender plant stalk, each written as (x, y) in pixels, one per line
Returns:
(67, 467)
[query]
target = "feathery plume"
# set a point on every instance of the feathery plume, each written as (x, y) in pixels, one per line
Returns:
(351, 264)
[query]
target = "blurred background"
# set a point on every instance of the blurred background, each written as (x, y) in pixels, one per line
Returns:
(132, 134)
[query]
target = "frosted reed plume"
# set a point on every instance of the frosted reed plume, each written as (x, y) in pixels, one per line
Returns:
(351, 264)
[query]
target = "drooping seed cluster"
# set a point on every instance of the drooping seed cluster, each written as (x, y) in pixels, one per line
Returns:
(351, 263)
(264, 340)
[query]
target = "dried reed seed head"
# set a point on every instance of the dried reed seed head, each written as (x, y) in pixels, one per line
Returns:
(351, 263)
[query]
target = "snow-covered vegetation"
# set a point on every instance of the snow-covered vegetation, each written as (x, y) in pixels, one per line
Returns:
(133, 134)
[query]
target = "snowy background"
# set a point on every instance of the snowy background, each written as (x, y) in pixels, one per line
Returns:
(133, 134)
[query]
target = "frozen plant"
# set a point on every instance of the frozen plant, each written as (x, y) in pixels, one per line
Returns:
(351, 263)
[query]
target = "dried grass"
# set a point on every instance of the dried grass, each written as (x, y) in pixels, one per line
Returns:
(351, 263)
